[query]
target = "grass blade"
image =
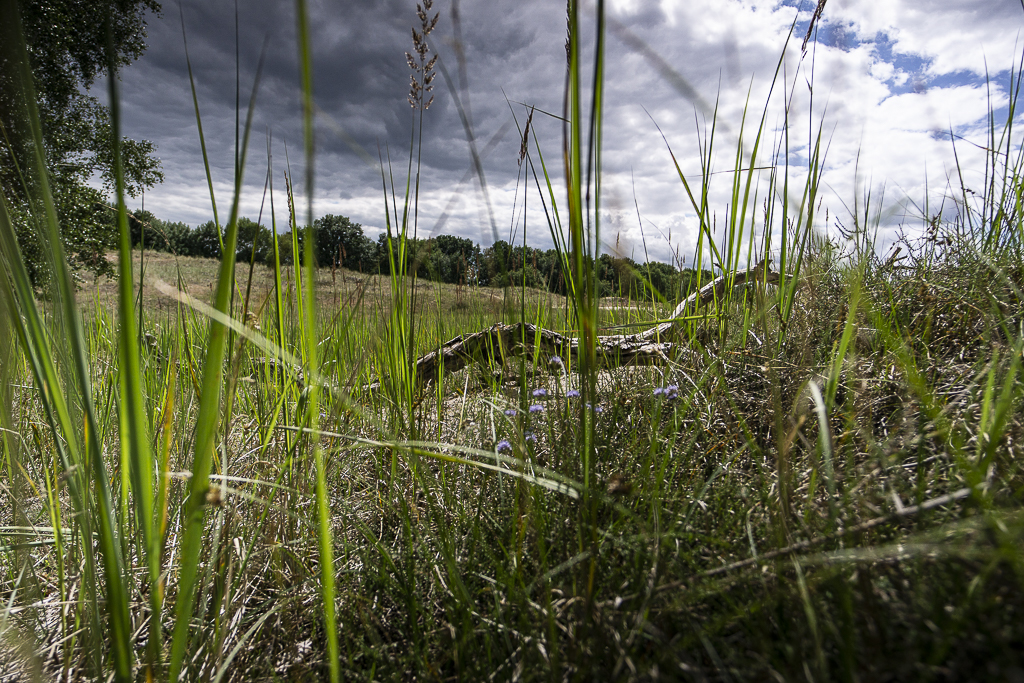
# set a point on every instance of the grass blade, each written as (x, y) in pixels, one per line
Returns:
(310, 342)
(207, 423)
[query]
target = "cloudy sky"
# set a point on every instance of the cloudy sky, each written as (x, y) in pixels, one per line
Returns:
(890, 80)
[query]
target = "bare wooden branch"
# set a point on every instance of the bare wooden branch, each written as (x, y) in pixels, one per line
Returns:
(500, 342)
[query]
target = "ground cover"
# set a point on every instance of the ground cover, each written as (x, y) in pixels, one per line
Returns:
(739, 534)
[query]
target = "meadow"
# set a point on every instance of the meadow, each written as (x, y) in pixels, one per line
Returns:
(235, 473)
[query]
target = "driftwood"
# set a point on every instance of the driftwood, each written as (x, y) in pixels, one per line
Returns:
(503, 341)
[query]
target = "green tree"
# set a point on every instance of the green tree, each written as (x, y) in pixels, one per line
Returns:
(204, 241)
(67, 44)
(146, 230)
(253, 237)
(415, 256)
(453, 259)
(497, 260)
(663, 278)
(158, 235)
(175, 236)
(340, 242)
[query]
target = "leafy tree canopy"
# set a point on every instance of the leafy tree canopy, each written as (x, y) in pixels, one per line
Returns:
(67, 44)
(340, 242)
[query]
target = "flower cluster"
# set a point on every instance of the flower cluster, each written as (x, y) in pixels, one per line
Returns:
(572, 393)
(670, 392)
(504, 446)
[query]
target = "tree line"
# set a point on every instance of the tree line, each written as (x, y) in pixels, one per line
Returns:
(340, 243)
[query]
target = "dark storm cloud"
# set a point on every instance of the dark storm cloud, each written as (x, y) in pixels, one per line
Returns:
(513, 54)
(361, 80)
(663, 58)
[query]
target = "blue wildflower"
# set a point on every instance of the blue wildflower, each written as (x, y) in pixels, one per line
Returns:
(504, 446)
(511, 412)
(536, 408)
(540, 393)
(670, 392)
(556, 360)
(572, 393)
(530, 437)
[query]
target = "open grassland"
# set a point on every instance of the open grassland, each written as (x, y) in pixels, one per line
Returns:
(365, 301)
(228, 478)
(777, 512)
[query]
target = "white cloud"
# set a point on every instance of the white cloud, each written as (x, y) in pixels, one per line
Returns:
(955, 34)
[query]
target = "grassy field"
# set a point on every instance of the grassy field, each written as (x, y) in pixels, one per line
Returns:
(360, 300)
(737, 533)
(823, 481)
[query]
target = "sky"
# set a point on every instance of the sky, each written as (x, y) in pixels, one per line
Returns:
(886, 83)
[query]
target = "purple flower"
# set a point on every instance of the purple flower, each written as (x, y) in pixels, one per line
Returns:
(556, 360)
(597, 409)
(670, 392)
(530, 437)
(511, 412)
(536, 408)
(504, 446)
(572, 393)
(540, 393)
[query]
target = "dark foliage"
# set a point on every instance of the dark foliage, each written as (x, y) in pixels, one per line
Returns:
(67, 49)
(340, 243)
(204, 241)
(254, 242)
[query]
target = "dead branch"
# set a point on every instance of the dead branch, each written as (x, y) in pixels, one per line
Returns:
(501, 341)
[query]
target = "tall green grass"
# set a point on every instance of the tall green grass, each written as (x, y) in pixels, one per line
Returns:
(60, 368)
(821, 482)
(310, 346)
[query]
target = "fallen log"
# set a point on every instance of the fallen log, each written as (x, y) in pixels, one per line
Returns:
(501, 341)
